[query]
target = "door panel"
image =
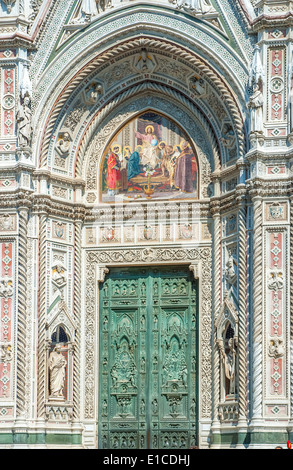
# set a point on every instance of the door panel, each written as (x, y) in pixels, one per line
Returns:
(148, 340)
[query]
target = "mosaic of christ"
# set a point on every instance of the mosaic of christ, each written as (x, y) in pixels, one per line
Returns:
(150, 158)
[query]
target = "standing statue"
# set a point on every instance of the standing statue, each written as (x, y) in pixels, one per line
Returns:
(57, 365)
(228, 355)
(230, 359)
(24, 127)
(255, 105)
(230, 272)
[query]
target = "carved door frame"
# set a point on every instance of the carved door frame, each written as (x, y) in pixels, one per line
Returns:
(98, 262)
(149, 315)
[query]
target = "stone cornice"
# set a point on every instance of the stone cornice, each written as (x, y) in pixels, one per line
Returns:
(266, 155)
(269, 188)
(264, 22)
(228, 201)
(42, 174)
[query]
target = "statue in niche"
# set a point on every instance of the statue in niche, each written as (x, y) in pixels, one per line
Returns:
(92, 93)
(63, 144)
(228, 135)
(255, 105)
(24, 127)
(6, 287)
(230, 272)
(57, 366)
(9, 4)
(198, 85)
(228, 353)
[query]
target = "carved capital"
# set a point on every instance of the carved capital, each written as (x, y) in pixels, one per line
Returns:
(195, 271)
(101, 273)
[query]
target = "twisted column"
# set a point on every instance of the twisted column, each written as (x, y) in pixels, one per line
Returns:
(242, 328)
(42, 317)
(77, 313)
(291, 307)
(257, 317)
(216, 307)
(21, 314)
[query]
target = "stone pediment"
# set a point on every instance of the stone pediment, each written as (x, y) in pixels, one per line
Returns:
(58, 315)
(227, 314)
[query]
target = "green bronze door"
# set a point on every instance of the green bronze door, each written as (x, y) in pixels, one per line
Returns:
(148, 359)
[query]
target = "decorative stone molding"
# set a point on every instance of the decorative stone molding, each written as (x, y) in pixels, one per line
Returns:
(204, 69)
(97, 263)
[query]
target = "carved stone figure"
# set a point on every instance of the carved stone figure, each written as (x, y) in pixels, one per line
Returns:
(229, 362)
(9, 4)
(7, 222)
(230, 272)
(255, 105)
(198, 85)
(24, 127)
(145, 62)
(195, 6)
(228, 135)
(58, 277)
(89, 9)
(57, 365)
(276, 348)
(276, 280)
(63, 145)
(228, 354)
(5, 353)
(92, 93)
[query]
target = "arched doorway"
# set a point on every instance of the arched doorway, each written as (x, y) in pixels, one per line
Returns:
(148, 391)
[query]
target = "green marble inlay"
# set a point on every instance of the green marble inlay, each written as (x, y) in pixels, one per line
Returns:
(22, 438)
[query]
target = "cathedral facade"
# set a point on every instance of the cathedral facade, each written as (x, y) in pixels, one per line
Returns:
(146, 210)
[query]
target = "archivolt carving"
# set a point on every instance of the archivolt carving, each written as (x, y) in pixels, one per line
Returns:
(162, 46)
(207, 152)
(145, 256)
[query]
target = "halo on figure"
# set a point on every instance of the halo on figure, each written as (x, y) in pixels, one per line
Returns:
(176, 147)
(149, 127)
(184, 144)
(127, 150)
(162, 142)
(116, 146)
(138, 148)
(169, 150)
